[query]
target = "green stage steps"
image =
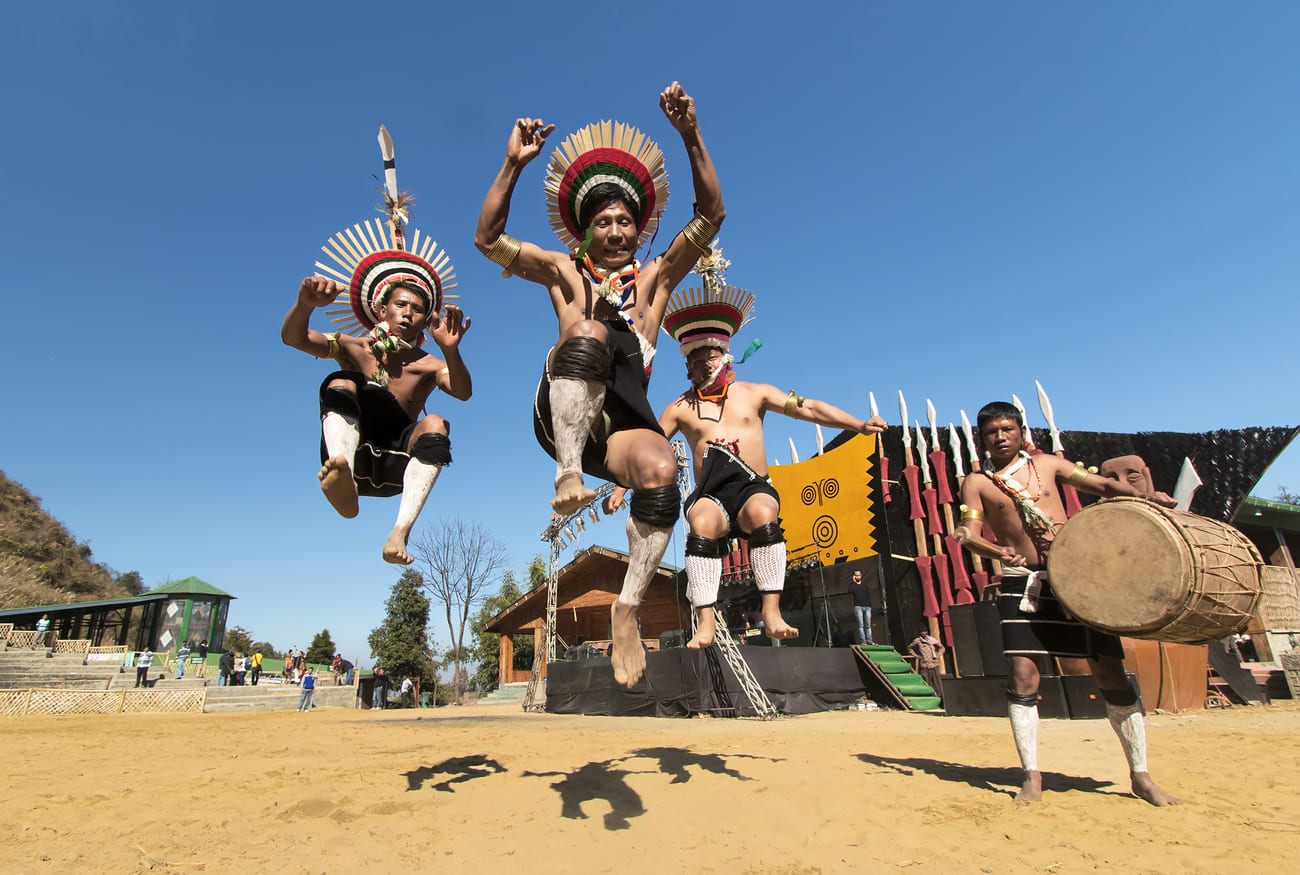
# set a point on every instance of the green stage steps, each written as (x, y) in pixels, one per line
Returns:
(905, 685)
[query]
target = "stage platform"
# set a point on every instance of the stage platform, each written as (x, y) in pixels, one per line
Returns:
(681, 682)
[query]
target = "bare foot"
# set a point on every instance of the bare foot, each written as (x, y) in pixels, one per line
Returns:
(395, 549)
(339, 487)
(626, 651)
(774, 625)
(706, 630)
(570, 494)
(1145, 788)
(1032, 789)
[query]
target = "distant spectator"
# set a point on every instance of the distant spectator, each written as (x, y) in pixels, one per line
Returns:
(203, 658)
(408, 692)
(347, 669)
(308, 687)
(241, 668)
(300, 664)
(181, 655)
(42, 629)
(225, 667)
(929, 654)
(336, 669)
(379, 697)
(255, 666)
(142, 668)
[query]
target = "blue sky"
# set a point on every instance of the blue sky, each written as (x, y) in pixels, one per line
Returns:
(950, 199)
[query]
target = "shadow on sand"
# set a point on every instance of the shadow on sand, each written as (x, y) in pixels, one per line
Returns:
(461, 769)
(606, 780)
(991, 779)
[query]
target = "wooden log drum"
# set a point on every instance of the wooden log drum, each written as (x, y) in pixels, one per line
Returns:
(1130, 567)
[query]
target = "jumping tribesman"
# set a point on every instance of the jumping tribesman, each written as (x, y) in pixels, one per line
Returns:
(722, 419)
(606, 189)
(1019, 496)
(374, 439)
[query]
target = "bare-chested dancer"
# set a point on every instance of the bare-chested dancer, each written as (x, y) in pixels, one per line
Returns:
(1019, 496)
(722, 418)
(374, 441)
(591, 412)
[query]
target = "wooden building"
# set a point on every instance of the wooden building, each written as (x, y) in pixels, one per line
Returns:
(586, 589)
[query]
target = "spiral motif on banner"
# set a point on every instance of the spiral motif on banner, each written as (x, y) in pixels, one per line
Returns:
(820, 491)
(825, 531)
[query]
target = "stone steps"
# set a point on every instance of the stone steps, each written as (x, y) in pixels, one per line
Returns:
(506, 694)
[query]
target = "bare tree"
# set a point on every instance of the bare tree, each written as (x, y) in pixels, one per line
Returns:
(463, 562)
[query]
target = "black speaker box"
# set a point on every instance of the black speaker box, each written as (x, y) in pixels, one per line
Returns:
(1084, 699)
(990, 635)
(965, 641)
(977, 640)
(987, 697)
(672, 638)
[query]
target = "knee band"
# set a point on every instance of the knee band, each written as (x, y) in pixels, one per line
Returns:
(1121, 698)
(766, 535)
(340, 401)
(707, 548)
(581, 358)
(432, 449)
(658, 506)
(1029, 700)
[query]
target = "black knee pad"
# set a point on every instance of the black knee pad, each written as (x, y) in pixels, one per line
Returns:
(340, 401)
(582, 358)
(1027, 699)
(766, 535)
(658, 506)
(1121, 698)
(709, 548)
(432, 449)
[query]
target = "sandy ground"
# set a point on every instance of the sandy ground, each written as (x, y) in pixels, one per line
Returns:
(489, 789)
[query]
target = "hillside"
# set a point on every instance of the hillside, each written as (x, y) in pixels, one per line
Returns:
(41, 563)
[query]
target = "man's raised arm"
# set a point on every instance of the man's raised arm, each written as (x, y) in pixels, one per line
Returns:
(695, 238)
(314, 292)
(812, 410)
(447, 333)
(1094, 484)
(527, 138)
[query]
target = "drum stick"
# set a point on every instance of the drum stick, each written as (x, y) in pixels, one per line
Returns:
(981, 547)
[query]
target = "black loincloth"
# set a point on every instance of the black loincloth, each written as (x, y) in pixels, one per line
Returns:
(625, 407)
(1050, 631)
(729, 482)
(386, 430)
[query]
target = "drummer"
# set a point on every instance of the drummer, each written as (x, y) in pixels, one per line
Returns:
(1020, 497)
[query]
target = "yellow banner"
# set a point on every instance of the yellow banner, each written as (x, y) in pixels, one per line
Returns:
(826, 502)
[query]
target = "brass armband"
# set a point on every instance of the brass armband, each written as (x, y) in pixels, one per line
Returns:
(1078, 476)
(970, 513)
(333, 341)
(793, 403)
(700, 232)
(504, 252)
(445, 372)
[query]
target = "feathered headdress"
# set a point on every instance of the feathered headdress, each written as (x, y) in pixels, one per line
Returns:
(374, 257)
(605, 152)
(710, 316)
